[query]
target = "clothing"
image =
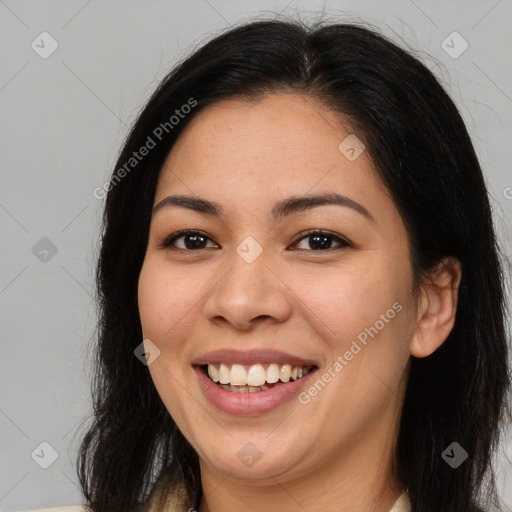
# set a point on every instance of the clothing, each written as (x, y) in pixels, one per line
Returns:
(402, 504)
(71, 508)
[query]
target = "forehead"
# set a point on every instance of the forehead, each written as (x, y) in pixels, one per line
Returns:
(274, 121)
(249, 157)
(286, 138)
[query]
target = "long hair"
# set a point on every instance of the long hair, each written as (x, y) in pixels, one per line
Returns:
(422, 154)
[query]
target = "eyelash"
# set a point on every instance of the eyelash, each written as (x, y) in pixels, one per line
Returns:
(167, 243)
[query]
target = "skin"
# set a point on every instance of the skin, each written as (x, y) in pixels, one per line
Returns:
(333, 453)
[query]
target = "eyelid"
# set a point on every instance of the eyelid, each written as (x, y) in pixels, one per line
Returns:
(343, 242)
(168, 241)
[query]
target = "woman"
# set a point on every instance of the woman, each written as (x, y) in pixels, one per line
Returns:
(300, 289)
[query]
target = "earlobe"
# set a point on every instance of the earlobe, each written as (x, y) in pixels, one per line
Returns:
(437, 307)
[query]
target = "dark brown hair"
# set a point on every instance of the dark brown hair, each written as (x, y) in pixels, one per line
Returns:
(423, 155)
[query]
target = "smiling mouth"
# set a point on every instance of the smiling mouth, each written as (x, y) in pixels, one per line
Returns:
(255, 378)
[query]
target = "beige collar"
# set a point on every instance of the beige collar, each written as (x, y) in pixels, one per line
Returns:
(178, 503)
(402, 504)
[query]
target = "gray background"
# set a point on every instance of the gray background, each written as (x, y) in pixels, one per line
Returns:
(63, 119)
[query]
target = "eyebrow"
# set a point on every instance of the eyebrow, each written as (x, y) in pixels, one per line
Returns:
(283, 208)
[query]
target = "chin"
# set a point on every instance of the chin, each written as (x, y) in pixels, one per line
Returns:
(253, 460)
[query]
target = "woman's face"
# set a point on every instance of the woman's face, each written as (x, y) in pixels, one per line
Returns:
(255, 292)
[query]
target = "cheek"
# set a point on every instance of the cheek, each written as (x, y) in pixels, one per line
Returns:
(165, 309)
(165, 304)
(346, 300)
(361, 314)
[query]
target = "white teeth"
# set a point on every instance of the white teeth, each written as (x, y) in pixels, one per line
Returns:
(285, 372)
(238, 376)
(244, 389)
(272, 373)
(213, 373)
(224, 374)
(254, 377)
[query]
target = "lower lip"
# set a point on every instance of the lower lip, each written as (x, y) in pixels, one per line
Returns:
(250, 403)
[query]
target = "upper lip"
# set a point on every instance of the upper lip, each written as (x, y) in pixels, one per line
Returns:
(250, 357)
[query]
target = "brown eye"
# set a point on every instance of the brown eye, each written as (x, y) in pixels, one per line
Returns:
(191, 240)
(322, 241)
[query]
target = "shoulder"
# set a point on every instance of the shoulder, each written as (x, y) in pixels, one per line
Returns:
(71, 508)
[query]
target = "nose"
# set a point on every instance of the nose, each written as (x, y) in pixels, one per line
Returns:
(249, 294)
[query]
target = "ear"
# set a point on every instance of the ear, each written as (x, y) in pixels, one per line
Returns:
(437, 306)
